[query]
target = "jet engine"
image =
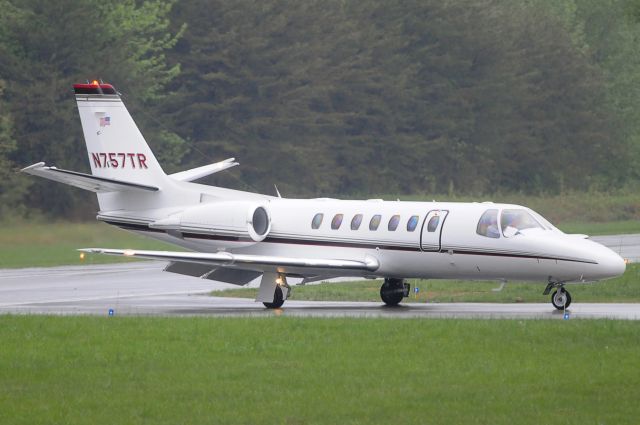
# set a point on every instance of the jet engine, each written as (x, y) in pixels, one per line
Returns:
(234, 220)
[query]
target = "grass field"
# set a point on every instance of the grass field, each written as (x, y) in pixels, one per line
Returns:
(52, 244)
(625, 288)
(596, 229)
(81, 370)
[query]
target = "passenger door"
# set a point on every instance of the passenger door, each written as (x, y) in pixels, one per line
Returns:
(431, 232)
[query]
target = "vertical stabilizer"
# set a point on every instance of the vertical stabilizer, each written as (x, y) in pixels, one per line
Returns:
(116, 148)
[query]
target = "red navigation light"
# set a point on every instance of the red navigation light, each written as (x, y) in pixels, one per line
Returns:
(94, 87)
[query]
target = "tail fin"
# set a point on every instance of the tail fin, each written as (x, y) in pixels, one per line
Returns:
(124, 172)
(116, 148)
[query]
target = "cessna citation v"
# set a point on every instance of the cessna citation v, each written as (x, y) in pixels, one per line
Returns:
(236, 236)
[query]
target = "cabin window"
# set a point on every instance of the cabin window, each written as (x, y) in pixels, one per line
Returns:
(393, 223)
(356, 221)
(317, 221)
(412, 223)
(433, 223)
(488, 224)
(512, 221)
(337, 221)
(375, 222)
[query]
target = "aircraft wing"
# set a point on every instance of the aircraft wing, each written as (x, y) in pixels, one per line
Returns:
(84, 181)
(261, 263)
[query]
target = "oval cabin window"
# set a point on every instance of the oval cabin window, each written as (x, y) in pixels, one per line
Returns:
(337, 221)
(356, 222)
(375, 222)
(393, 223)
(412, 223)
(317, 221)
(433, 223)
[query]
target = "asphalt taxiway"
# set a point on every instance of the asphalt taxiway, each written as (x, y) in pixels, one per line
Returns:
(142, 288)
(627, 246)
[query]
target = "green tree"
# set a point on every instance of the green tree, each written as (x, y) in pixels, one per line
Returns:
(412, 96)
(51, 45)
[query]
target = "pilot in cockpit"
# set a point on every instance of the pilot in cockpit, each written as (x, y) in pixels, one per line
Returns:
(510, 224)
(488, 224)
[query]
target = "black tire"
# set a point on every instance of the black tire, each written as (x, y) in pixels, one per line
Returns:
(278, 299)
(567, 302)
(391, 294)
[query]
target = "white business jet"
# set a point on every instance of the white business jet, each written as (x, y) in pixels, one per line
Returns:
(236, 236)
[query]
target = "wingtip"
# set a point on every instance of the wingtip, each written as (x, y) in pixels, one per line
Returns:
(90, 250)
(31, 167)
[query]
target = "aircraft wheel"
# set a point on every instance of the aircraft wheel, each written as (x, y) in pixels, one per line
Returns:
(561, 299)
(278, 299)
(391, 293)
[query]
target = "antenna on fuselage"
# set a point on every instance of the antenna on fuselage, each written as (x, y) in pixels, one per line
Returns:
(277, 191)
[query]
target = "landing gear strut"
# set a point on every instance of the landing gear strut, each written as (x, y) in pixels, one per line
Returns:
(561, 298)
(393, 291)
(280, 293)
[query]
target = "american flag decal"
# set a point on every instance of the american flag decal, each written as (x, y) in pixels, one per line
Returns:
(105, 121)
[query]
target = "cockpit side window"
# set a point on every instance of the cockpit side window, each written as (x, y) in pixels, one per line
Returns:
(513, 221)
(488, 224)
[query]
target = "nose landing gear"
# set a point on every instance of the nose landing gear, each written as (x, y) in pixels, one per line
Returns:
(561, 298)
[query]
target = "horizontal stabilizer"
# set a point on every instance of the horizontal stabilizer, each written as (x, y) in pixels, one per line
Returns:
(85, 181)
(198, 173)
(243, 261)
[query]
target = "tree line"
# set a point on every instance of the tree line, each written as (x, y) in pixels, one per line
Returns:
(331, 97)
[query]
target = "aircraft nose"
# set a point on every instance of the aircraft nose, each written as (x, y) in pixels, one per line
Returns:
(610, 264)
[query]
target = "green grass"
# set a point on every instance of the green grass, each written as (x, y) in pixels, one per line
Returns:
(53, 244)
(595, 229)
(625, 288)
(81, 370)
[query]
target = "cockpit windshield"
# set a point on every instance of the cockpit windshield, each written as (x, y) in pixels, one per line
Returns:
(512, 221)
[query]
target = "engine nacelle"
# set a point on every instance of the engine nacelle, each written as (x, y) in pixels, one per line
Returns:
(244, 220)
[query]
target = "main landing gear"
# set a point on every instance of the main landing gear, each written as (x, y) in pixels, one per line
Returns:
(561, 298)
(393, 291)
(274, 290)
(278, 299)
